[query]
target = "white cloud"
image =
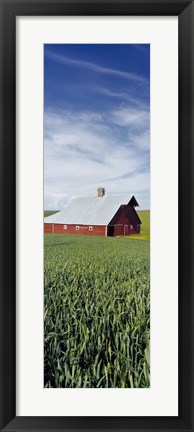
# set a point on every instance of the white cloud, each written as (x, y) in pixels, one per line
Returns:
(140, 141)
(83, 151)
(132, 117)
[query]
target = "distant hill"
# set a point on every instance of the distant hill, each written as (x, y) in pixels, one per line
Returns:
(145, 226)
(50, 212)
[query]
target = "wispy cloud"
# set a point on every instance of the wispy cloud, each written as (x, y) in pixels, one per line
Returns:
(124, 96)
(83, 151)
(132, 117)
(63, 59)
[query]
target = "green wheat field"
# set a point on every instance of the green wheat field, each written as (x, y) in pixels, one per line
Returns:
(97, 310)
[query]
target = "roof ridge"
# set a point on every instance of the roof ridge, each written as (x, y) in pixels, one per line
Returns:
(95, 196)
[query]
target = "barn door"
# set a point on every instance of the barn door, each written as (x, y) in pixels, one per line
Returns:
(110, 230)
(125, 229)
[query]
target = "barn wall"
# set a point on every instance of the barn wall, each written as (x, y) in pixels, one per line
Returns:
(128, 218)
(71, 229)
(118, 230)
(134, 218)
(48, 228)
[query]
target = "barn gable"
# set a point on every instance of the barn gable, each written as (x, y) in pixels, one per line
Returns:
(133, 202)
(124, 214)
(125, 221)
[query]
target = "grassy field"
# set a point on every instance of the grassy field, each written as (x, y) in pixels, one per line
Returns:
(96, 311)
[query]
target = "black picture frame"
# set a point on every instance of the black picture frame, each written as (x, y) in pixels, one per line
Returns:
(184, 9)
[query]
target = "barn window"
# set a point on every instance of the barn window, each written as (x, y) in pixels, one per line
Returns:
(131, 226)
(77, 228)
(64, 226)
(90, 228)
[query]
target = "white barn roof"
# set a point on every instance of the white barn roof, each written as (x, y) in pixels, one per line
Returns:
(89, 210)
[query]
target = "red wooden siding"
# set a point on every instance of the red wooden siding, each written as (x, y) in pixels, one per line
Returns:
(48, 228)
(118, 230)
(126, 221)
(71, 229)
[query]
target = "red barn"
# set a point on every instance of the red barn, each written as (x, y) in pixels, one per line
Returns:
(103, 215)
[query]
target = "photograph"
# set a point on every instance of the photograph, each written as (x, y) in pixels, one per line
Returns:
(97, 216)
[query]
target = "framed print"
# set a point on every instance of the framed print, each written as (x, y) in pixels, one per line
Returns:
(96, 139)
(117, 126)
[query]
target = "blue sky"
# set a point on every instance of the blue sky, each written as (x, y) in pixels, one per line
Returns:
(96, 121)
